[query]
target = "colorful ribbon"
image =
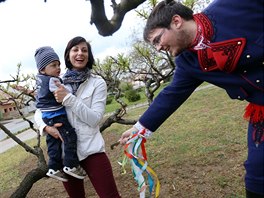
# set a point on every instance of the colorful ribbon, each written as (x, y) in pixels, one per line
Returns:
(136, 153)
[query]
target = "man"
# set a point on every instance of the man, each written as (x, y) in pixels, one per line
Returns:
(222, 45)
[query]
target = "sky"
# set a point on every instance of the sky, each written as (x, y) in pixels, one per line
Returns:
(29, 24)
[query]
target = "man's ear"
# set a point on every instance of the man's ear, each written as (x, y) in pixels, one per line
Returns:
(176, 21)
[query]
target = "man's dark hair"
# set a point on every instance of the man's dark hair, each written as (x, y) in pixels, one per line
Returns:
(162, 14)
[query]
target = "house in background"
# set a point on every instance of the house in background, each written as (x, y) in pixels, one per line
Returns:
(8, 109)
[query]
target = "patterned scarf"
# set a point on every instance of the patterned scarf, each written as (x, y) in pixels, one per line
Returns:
(74, 78)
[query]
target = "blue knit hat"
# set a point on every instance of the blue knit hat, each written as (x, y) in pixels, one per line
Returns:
(44, 56)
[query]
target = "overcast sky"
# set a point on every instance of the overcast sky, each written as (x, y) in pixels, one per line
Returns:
(29, 24)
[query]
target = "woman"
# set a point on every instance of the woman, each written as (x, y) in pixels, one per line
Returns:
(85, 106)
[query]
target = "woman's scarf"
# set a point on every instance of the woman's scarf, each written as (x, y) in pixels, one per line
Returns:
(74, 78)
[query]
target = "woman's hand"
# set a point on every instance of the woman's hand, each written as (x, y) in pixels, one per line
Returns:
(60, 93)
(53, 131)
(126, 135)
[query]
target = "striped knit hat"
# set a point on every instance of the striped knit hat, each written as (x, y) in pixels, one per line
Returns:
(44, 56)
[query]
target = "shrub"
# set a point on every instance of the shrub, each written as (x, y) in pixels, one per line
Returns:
(125, 86)
(109, 100)
(140, 89)
(132, 95)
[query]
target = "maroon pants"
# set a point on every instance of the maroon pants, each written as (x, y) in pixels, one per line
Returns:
(99, 170)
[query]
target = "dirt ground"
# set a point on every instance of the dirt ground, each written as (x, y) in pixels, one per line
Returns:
(188, 181)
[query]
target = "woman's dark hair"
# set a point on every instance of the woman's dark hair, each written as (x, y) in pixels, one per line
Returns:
(162, 14)
(73, 42)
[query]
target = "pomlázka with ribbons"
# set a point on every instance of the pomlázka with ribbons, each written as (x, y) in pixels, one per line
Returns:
(135, 152)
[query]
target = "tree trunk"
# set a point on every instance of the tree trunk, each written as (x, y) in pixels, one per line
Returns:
(32, 177)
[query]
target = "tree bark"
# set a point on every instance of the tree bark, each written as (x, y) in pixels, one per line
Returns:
(32, 177)
(107, 27)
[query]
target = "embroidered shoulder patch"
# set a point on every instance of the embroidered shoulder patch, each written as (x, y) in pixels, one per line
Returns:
(222, 55)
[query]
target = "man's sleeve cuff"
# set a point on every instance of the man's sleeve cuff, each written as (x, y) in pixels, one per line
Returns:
(140, 127)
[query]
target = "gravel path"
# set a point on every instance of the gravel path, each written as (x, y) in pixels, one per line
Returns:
(9, 142)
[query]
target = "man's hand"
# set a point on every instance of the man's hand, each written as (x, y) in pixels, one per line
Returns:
(53, 131)
(126, 135)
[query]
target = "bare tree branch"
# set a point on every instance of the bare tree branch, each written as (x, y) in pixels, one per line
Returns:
(17, 140)
(107, 27)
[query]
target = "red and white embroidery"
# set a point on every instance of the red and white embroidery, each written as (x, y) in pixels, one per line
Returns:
(222, 55)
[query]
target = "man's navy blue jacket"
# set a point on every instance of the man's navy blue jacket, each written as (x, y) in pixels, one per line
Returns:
(230, 19)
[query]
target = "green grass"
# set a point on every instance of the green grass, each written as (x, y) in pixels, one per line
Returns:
(206, 134)
(9, 163)
(114, 105)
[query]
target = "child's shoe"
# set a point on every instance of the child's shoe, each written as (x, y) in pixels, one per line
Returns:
(57, 175)
(76, 172)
